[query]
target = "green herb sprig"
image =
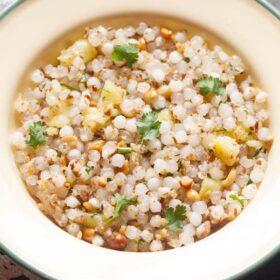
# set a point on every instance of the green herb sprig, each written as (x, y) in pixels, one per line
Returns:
(210, 84)
(149, 126)
(125, 52)
(125, 150)
(121, 203)
(176, 217)
(36, 135)
(238, 198)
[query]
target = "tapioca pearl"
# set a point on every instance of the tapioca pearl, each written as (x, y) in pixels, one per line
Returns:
(118, 160)
(199, 207)
(37, 76)
(217, 212)
(119, 122)
(97, 240)
(225, 110)
(174, 57)
(257, 175)
(107, 48)
(139, 172)
(156, 245)
(229, 123)
(264, 134)
(74, 154)
(195, 218)
(146, 235)
(72, 202)
(66, 130)
(236, 98)
(154, 184)
(149, 34)
(250, 191)
(176, 86)
(261, 97)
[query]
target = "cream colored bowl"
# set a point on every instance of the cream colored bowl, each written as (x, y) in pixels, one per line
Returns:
(27, 235)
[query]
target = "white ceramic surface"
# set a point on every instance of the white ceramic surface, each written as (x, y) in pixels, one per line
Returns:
(247, 28)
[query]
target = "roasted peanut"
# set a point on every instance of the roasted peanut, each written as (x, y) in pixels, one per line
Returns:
(166, 33)
(116, 241)
(71, 140)
(186, 182)
(164, 91)
(88, 234)
(192, 195)
(142, 44)
(96, 145)
(92, 103)
(102, 182)
(150, 96)
(229, 179)
(88, 206)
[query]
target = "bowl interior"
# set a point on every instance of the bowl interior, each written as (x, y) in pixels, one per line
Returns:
(23, 226)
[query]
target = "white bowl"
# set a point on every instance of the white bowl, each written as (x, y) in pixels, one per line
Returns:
(33, 240)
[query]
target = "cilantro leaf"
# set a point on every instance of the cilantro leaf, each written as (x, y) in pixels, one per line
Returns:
(36, 135)
(175, 217)
(122, 203)
(210, 84)
(149, 127)
(127, 52)
(238, 198)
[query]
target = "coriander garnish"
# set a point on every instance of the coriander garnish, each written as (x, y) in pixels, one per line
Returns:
(36, 135)
(176, 217)
(125, 52)
(149, 126)
(121, 203)
(238, 198)
(210, 84)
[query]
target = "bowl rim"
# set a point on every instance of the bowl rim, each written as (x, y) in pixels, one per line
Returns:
(27, 265)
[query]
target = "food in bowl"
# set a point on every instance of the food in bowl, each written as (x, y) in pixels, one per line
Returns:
(141, 138)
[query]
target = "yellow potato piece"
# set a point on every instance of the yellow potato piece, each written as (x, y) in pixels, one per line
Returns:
(90, 221)
(58, 121)
(226, 149)
(94, 118)
(81, 48)
(112, 94)
(165, 115)
(240, 134)
(59, 115)
(208, 186)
